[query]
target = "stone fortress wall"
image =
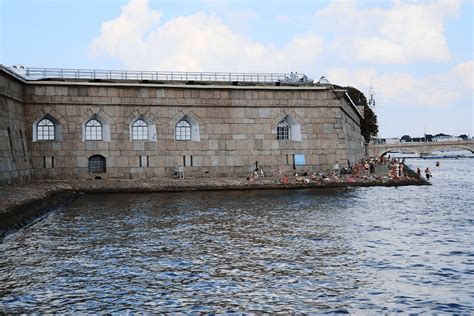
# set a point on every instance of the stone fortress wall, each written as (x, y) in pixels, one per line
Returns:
(233, 127)
(15, 156)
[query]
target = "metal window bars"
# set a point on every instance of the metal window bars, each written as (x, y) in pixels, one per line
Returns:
(93, 74)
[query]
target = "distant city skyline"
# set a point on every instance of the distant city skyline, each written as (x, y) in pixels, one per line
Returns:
(417, 55)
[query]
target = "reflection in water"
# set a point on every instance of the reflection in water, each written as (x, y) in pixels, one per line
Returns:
(381, 249)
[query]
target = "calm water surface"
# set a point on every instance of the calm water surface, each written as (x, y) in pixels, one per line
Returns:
(360, 250)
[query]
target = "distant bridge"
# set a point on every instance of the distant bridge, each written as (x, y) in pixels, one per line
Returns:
(419, 148)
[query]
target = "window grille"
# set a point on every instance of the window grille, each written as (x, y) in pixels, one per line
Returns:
(45, 130)
(97, 164)
(139, 130)
(183, 130)
(93, 130)
(283, 130)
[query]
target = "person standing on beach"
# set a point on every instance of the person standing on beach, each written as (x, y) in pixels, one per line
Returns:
(355, 169)
(402, 170)
(428, 173)
(336, 168)
(366, 167)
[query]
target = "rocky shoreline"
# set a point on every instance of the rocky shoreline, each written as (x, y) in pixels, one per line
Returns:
(23, 203)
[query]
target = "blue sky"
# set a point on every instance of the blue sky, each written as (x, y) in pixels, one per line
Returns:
(417, 54)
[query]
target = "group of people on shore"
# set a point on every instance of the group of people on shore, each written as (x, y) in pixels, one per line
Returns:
(362, 170)
(255, 174)
(397, 169)
(428, 174)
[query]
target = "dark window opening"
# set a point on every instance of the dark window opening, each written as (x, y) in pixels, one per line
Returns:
(97, 164)
(144, 161)
(22, 144)
(11, 143)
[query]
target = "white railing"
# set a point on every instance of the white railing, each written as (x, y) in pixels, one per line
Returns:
(92, 74)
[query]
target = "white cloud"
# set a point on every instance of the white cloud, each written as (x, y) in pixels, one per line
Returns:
(402, 89)
(464, 72)
(198, 42)
(133, 24)
(405, 32)
(378, 50)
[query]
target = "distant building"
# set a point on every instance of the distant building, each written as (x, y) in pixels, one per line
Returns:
(446, 138)
(393, 140)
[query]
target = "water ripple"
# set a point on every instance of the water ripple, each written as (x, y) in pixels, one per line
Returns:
(366, 250)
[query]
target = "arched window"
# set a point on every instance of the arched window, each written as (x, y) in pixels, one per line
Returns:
(45, 130)
(183, 130)
(283, 130)
(97, 164)
(139, 130)
(93, 130)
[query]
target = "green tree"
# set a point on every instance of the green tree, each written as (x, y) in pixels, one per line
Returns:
(368, 125)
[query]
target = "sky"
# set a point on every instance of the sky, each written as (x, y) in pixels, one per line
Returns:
(417, 55)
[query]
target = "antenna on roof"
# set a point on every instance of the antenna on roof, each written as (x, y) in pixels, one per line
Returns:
(372, 96)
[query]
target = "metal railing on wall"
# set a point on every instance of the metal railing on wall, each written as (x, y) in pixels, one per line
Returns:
(93, 74)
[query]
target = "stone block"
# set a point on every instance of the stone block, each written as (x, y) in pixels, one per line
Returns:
(138, 146)
(239, 136)
(40, 91)
(213, 144)
(142, 93)
(328, 128)
(101, 92)
(50, 91)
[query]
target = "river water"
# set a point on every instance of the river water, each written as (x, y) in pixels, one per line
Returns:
(360, 250)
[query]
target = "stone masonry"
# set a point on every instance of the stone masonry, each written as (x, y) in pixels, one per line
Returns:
(236, 124)
(15, 158)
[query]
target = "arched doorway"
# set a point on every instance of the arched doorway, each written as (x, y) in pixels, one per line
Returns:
(97, 164)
